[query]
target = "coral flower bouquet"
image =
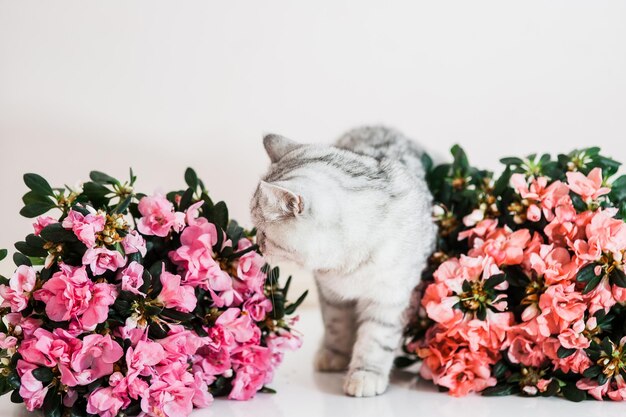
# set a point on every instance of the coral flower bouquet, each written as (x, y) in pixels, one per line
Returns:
(527, 291)
(124, 304)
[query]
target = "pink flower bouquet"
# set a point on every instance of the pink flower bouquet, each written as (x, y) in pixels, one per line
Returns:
(527, 292)
(126, 304)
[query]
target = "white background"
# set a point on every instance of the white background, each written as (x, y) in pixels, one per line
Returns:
(160, 86)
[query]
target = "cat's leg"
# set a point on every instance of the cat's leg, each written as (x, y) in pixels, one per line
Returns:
(380, 326)
(339, 333)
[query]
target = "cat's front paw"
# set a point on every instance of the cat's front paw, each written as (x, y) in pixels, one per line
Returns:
(365, 383)
(327, 360)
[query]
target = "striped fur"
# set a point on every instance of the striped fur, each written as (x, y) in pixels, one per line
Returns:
(358, 214)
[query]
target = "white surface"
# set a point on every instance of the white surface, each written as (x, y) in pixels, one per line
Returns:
(161, 85)
(304, 393)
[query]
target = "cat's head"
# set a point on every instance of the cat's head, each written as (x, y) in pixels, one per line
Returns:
(293, 208)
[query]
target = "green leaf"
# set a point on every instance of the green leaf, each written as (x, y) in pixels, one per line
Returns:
(553, 389)
(36, 209)
(3, 253)
(97, 194)
(16, 397)
(427, 162)
(38, 184)
(503, 182)
(292, 307)
(56, 233)
(267, 390)
(123, 205)
(499, 369)
(511, 161)
(176, 315)
(586, 273)
(185, 200)
(404, 362)
(28, 250)
(564, 352)
(43, 374)
(4, 386)
(102, 178)
(618, 277)
(572, 393)
(21, 259)
(32, 197)
(481, 313)
(494, 281)
(287, 285)
(191, 178)
(220, 215)
(618, 189)
(52, 406)
(460, 158)
(500, 390)
(591, 285)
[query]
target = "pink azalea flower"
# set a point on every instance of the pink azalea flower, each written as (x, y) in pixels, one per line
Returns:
(104, 403)
(567, 226)
(158, 216)
(239, 325)
(141, 358)
(601, 297)
(577, 362)
(619, 293)
(51, 349)
(21, 284)
(560, 306)
(543, 197)
(482, 229)
(439, 303)
(95, 359)
(102, 259)
(134, 243)
(71, 295)
(594, 389)
(619, 392)
(467, 372)
(257, 306)
(41, 222)
(196, 257)
(212, 361)
(553, 264)
(505, 247)
(489, 334)
(85, 227)
(283, 340)
(248, 380)
(249, 268)
(607, 233)
(588, 187)
(31, 389)
(132, 278)
(180, 344)
(170, 394)
(192, 213)
(175, 295)
(127, 387)
(524, 342)
(573, 338)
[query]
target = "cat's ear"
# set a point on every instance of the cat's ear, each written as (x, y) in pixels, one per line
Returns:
(284, 202)
(277, 146)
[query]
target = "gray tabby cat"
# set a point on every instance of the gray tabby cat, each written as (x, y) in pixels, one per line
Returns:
(358, 214)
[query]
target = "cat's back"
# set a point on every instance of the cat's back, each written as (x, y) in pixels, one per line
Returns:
(381, 142)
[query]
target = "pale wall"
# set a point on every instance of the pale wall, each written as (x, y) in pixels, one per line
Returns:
(164, 85)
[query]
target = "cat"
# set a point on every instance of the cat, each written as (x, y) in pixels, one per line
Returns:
(358, 214)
